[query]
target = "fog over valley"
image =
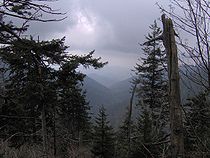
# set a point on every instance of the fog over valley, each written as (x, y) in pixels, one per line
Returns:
(104, 79)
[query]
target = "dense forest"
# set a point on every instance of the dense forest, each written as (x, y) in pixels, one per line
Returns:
(46, 109)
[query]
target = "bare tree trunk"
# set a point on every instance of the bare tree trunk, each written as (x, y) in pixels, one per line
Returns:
(194, 20)
(129, 118)
(34, 125)
(80, 143)
(177, 138)
(54, 132)
(44, 131)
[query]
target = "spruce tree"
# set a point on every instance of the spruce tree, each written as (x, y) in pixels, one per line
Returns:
(14, 19)
(143, 136)
(124, 140)
(152, 89)
(33, 81)
(73, 116)
(197, 137)
(30, 82)
(103, 138)
(36, 93)
(15, 16)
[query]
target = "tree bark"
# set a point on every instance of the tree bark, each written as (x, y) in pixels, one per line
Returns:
(176, 124)
(130, 117)
(54, 132)
(44, 131)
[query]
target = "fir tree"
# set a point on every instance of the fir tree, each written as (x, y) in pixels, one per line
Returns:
(30, 82)
(152, 90)
(33, 85)
(143, 136)
(72, 105)
(197, 123)
(151, 76)
(23, 11)
(35, 92)
(103, 138)
(124, 143)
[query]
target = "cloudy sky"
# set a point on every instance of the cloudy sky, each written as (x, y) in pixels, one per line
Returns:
(112, 27)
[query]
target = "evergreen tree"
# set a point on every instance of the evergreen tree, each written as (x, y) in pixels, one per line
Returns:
(32, 84)
(152, 90)
(23, 11)
(22, 78)
(151, 76)
(124, 143)
(73, 108)
(103, 138)
(197, 123)
(36, 93)
(143, 136)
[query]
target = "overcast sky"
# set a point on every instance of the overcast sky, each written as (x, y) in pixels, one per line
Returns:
(112, 27)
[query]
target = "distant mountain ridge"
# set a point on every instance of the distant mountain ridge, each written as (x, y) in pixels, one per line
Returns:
(97, 94)
(115, 98)
(106, 81)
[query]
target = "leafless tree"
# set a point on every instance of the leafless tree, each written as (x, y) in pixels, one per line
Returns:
(192, 18)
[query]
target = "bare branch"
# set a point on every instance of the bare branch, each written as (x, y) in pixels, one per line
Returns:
(31, 18)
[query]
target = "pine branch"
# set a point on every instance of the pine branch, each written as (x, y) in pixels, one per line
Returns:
(147, 43)
(16, 117)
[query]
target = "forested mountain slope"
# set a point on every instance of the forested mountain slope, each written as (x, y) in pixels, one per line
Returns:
(116, 97)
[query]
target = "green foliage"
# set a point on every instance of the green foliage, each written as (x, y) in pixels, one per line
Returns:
(151, 79)
(151, 73)
(33, 81)
(23, 11)
(143, 135)
(42, 83)
(30, 81)
(152, 124)
(103, 137)
(125, 136)
(197, 123)
(24, 151)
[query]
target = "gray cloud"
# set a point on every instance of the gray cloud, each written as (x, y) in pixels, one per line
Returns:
(113, 28)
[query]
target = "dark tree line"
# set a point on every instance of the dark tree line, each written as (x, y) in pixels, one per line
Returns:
(43, 103)
(41, 88)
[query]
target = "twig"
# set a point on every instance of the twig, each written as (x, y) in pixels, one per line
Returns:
(16, 117)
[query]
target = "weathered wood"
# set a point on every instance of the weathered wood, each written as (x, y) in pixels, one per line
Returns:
(176, 124)
(44, 131)
(130, 117)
